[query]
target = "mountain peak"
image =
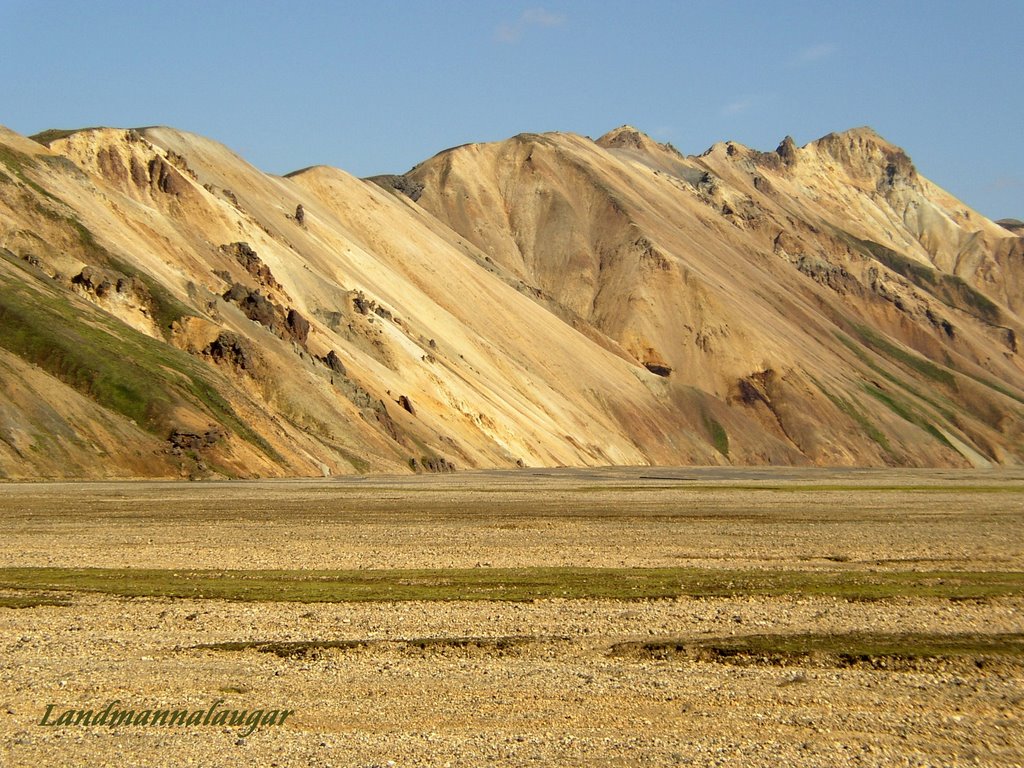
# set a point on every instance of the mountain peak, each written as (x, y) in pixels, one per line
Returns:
(625, 136)
(862, 132)
(787, 150)
(864, 152)
(628, 137)
(863, 138)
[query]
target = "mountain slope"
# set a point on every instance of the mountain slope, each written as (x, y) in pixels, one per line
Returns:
(806, 270)
(167, 309)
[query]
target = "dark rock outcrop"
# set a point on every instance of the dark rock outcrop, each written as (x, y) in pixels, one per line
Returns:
(625, 137)
(332, 361)
(164, 177)
(361, 304)
(253, 264)
(296, 327)
(106, 282)
(95, 280)
(254, 305)
(403, 185)
(181, 440)
(384, 419)
(755, 387)
(231, 349)
(436, 464)
(289, 325)
(658, 369)
(830, 275)
(784, 156)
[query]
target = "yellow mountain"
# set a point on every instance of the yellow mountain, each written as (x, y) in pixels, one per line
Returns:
(167, 309)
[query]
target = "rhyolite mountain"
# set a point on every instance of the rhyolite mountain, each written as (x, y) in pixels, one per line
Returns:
(168, 310)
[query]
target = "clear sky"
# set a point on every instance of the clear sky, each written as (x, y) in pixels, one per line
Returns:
(375, 87)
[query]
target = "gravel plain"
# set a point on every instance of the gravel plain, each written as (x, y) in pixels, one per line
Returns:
(525, 683)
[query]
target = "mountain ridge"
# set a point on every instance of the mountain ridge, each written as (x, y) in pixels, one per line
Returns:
(544, 300)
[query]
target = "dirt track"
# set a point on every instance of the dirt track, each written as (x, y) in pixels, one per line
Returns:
(537, 683)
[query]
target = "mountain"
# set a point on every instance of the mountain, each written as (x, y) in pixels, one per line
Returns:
(166, 310)
(1013, 225)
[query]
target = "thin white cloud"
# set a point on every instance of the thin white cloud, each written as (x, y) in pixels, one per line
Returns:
(814, 53)
(737, 107)
(1004, 184)
(512, 32)
(542, 18)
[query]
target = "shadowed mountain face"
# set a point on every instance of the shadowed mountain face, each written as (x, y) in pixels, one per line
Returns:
(168, 310)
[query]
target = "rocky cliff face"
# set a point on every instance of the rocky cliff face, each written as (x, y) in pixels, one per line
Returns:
(547, 300)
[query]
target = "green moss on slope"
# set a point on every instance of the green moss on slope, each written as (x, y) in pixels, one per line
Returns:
(719, 437)
(949, 289)
(920, 364)
(121, 369)
(51, 135)
(515, 584)
(858, 416)
(165, 306)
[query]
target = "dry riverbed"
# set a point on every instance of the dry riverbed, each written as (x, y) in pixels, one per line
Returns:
(744, 677)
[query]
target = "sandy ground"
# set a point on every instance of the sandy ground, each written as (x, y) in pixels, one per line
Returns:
(539, 684)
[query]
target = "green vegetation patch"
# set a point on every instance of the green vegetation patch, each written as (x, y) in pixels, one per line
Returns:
(14, 160)
(826, 488)
(920, 274)
(509, 584)
(51, 135)
(895, 404)
(18, 163)
(89, 358)
(166, 308)
(719, 437)
(961, 294)
(306, 649)
(906, 412)
(845, 649)
(866, 359)
(104, 359)
(31, 601)
(923, 366)
(995, 386)
(285, 649)
(949, 289)
(858, 416)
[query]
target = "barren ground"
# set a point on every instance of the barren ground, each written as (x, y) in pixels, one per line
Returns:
(588, 682)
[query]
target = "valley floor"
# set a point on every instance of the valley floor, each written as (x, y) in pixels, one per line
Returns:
(645, 617)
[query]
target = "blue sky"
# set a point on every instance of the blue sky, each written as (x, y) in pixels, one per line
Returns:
(377, 87)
